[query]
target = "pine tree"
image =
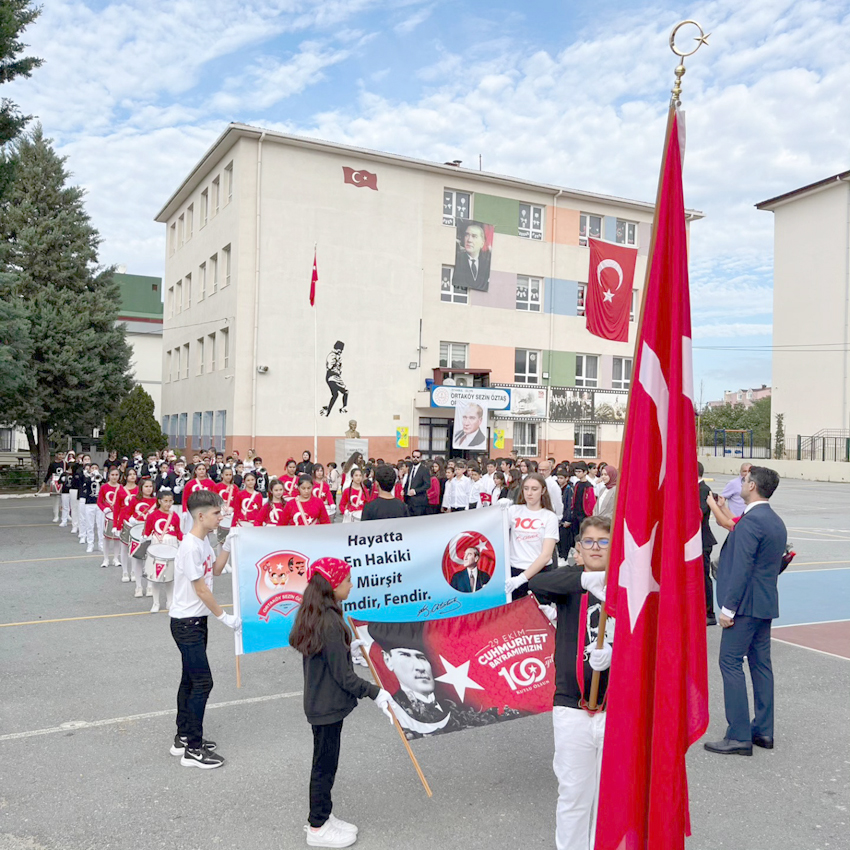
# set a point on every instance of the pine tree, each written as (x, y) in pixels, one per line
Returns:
(76, 371)
(779, 441)
(132, 425)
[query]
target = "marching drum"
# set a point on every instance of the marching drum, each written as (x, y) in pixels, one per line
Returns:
(224, 528)
(136, 533)
(159, 562)
(108, 526)
(125, 533)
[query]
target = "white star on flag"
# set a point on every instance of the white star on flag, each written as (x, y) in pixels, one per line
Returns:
(458, 678)
(608, 295)
(636, 572)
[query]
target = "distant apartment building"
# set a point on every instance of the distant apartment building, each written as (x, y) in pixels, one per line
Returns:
(744, 398)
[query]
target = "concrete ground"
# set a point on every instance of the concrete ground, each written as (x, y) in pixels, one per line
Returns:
(87, 715)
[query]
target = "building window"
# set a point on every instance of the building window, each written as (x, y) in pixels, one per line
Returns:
(169, 307)
(449, 292)
(211, 346)
(167, 367)
(205, 207)
(525, 439)
(187, 288)
(186, 360)
(587, 370)
(180, 226)
(585, 441)
(228, 182)
(190, 221)
(580, 295)
(526, 366)
(220, 429)
(202, 281)
(749, 394)
(434, 436)
(178, 295)
(216, 187)
(634, 307)
(5, 439)
(456, 205)
(201, 354)
(530, 222)
(225, 257)
(622, 375)
(207, 430)
(172, 238)
(181, 430)
(213, 273)
(177, 364)
(196, 430)
(225, 347)
(626, 232)
(589, 226)
(453, 355)
(528, 291)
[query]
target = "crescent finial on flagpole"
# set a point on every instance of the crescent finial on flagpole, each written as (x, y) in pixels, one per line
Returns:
(701, 39)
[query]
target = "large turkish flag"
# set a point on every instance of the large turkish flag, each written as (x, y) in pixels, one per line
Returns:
(610, 279)
(658, 685)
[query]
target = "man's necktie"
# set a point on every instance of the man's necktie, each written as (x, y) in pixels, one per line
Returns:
(475, 269)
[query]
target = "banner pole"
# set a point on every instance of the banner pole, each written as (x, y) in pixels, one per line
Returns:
(238, 672)
(397, 725)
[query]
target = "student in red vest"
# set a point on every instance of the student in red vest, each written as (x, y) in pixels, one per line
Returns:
(272, 512)
(200, 480)
(230, 494)
(129, 489)
(162, 526)
(305, 508)
(107, 499)
(322, 490)
(353, 497)
(137, 512)
(290, 481)
(252, 500)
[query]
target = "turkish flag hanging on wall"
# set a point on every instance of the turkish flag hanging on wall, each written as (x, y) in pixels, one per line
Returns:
(658, 685)
(608, 300)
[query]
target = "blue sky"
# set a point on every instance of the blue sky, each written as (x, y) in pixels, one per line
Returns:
(564, 92)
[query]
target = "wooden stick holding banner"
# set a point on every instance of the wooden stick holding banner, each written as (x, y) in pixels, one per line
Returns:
(234, 579)
(395, 719)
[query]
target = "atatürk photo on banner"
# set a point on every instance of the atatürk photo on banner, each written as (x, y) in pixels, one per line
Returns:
(470, 427)
(568, 405)
(473, 254)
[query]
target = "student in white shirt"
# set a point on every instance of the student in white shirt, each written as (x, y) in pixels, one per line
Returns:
(534, 533)
(458, 493)
(194, 568)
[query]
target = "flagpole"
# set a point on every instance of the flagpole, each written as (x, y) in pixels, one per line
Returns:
(315, 372)
(397, 725)
(675, 102)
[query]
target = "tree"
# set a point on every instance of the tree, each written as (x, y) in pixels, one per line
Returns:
(15, 351)
(76, 370)
(15, 16)
(737, 417)
(132, 425)
(779, 442)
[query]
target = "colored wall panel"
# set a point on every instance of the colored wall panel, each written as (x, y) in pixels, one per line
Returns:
(498, 358)
(562, 227)
(606, 370)
(644, 238)
(502, 292)
(561, 366)
(560, 296)
(501, 212)
(609, 228)
(138, 295)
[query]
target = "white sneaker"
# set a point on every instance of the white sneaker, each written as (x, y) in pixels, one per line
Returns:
(342, 824)
(75, 530)
(55, 520)
(138, 593)
(125, 578)
(63, 525)
(89, 548)
(155, 607)
(330, 835)
(149, 591)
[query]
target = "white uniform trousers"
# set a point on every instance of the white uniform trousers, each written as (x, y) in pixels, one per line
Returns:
(75, 511)
(65, 499)
(89, 522)
(577, 764)
(57, 504)
(99, 519)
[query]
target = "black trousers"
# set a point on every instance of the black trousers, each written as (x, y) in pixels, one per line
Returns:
(326, 743)
(417, 506)
(566, 540)
(709, 584)
(190, 635)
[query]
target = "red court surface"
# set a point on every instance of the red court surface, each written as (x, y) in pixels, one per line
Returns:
(833, 638)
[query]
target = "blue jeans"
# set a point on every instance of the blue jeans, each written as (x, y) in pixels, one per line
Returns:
(190, 635)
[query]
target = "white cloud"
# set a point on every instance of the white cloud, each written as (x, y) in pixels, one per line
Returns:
(410, 23)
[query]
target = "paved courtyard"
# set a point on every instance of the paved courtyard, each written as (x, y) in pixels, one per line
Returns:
(87, 714)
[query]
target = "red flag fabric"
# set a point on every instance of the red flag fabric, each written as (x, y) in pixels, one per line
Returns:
(314, 281)
(463, 672)
(455, 551)
(658, 685)
(610, 280)
(360, 178)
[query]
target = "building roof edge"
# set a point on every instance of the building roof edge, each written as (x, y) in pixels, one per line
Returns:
(770, 203)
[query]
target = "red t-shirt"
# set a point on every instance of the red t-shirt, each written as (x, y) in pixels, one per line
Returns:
(160, 523)
(194, 484)
(311, 512)
(271, 514)
(250, 507)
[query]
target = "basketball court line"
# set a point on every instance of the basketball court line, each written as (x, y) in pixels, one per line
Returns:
(74, 725)
(62, 558)
(801, 646)
(92, 617)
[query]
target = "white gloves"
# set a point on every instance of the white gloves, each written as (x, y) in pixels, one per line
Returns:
(600, 659)
(550, 613)
(230, 620)
(357, 656)
(504, 503)
(228, 541)
(515, 582)
(594, 582)
(383, 701)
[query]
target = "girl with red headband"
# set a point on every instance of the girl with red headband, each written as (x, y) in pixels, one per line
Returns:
(331, 690)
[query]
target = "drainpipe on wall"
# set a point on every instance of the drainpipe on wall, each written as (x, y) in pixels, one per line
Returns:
(256, 296)
(844, 420)
(552, 311)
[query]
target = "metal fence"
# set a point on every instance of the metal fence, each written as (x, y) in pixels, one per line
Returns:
(800, 447)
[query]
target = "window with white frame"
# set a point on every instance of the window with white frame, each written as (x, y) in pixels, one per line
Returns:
(213, 273)
(220, 429)
(180, 227)
(581, 294)
(587, 370)
(178, 296)
(448, 291)
(211, 347)
(172, 237)
(190, 221)
(530, 225)
(5, 439)
(529, 293)
(525, 439)
(526, 366)
(622, 373)
(187, 289)
(169, 306)
(196, 430)
(634, 308)
(205, 207)
(202, 281)
(181, 430)
(207, 430)
(456, 205)
(453, 355)
(626, 233)
(167, 367)
(585, 441)
(215, 192)
(225, 257)
(177, 363)
(225, 347)
(186, 360)
(590, 226)
(228, 182)
(433, 436)
(201, 354)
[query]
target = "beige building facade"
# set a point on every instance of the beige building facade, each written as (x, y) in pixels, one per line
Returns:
(249, 364)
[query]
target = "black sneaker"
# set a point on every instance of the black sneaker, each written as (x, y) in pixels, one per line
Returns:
(201, 758)
(180, 742)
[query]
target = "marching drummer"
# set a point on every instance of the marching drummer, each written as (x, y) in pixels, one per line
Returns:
(108, 505)
(136, 513)
(252, 500)
(162, 527)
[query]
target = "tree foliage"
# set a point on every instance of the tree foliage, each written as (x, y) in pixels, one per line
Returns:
(76, 367)
(132, 425)
(737, 417)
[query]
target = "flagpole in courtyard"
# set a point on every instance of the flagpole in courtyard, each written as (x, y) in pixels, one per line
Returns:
(314, 280)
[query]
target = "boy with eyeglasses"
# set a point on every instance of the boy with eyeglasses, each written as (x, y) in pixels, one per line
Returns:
(577, 594)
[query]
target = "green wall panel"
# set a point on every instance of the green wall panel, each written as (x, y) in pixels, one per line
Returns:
(561, 366)
(138, 294)
(502, 212)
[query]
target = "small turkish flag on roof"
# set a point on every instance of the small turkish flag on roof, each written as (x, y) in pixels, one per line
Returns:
(360, 178)
(314, 281)
(608, 300)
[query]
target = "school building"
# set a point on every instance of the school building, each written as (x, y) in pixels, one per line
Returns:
(249, 363)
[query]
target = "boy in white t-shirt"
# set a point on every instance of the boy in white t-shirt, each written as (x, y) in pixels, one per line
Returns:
(194, 568)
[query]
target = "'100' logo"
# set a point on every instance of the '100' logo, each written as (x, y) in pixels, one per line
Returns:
(523, 673)
(527, 522)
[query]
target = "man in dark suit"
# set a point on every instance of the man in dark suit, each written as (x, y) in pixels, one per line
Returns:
(708, 543)
(472, 262)
(470, 578)
(416, 484)
(750, 563)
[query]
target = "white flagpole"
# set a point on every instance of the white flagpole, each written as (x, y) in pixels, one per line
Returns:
(315, 365)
